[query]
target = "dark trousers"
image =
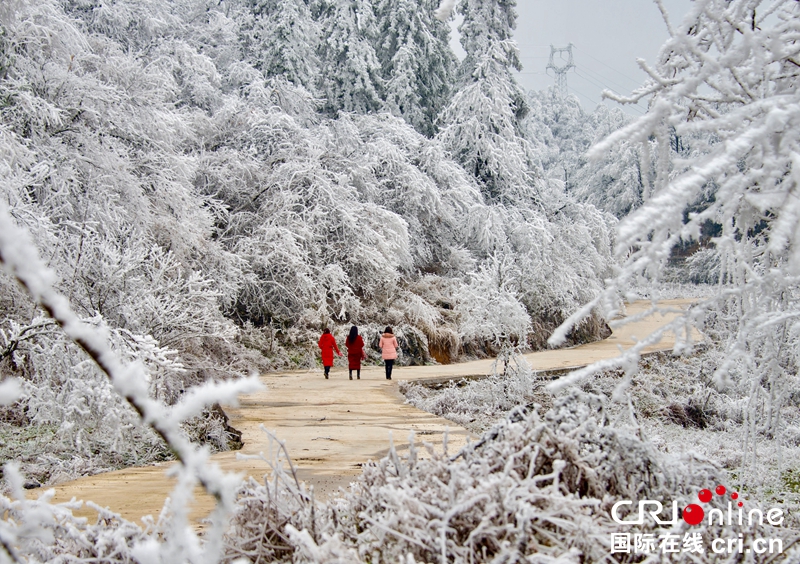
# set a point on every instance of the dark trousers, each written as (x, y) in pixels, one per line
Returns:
(327, 371)
(388, 363)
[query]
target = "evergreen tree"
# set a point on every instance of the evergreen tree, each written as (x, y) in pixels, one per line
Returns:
(417, 64)
(282, 40)
(481, 125)
(488, 22)
(350, 72)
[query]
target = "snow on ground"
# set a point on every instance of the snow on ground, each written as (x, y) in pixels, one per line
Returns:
(673, 406)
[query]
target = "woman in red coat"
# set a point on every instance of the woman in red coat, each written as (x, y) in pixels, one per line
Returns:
(355, 351)
(327, 345)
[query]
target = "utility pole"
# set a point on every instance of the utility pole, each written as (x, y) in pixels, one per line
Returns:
(561, 69)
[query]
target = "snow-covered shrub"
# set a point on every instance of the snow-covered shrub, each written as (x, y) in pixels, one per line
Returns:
(38, 531)
(703, 267)
(70, 421)
(266, 514)
(535, 487)
(673, 403)
(72, 410)
(479, 404)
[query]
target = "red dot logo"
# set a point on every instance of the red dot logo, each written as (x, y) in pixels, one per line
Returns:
(693, 513)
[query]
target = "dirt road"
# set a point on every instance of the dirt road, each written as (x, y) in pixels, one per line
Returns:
(333, 426)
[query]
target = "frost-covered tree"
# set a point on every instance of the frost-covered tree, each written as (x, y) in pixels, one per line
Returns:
(411, 176)
(101, 153)
(487, 22)
(530, 224)
(30, 525)
(309, 243)
(418, 66)
(729, 75)
(563, 132)
(350, 74)
(282, 40)
(93, 134)
(557, 128)
(612, 183)
(481, 125)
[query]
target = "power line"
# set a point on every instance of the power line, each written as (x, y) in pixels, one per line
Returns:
(585, 69)
(590, 79)
(600, 85)
(593, 81)
(637, 82)
(602, 78)
(604, 87)
(592, 100)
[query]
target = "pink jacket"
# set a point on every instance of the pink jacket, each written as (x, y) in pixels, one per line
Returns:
(388, 346)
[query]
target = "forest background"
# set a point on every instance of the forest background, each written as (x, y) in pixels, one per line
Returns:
(214, 182)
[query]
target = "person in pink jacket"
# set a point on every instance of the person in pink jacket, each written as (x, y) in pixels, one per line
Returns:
(388, 346)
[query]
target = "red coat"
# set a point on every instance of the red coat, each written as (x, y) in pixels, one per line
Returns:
(328, 344)
(355, 352)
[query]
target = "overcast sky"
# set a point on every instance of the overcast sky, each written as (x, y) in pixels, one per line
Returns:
(607, 37)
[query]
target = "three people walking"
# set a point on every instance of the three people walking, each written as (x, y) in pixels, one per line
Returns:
(355, 351)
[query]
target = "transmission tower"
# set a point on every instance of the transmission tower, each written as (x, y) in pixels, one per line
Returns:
(560, 70)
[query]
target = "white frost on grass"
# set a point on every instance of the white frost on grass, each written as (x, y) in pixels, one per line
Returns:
(673, 405)
(20, 259)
